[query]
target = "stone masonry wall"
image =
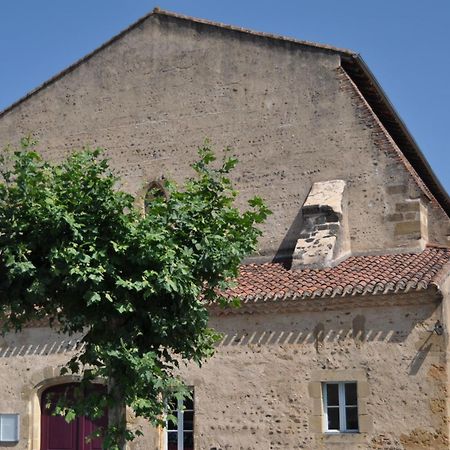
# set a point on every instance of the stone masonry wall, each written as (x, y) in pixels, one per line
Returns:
(259, 390)
(289, 111)
(256, 392)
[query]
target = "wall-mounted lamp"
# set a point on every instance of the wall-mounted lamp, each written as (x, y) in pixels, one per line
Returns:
(438, 328)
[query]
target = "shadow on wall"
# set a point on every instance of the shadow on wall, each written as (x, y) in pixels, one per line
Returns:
(37, 341)
(286, 249)
(427, 347)
(39, 349)
(323, 330)
(318, 335)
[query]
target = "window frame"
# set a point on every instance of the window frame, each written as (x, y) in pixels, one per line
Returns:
(180, 430)
(342, 407)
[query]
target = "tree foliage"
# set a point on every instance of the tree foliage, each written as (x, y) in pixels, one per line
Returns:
(76, 251)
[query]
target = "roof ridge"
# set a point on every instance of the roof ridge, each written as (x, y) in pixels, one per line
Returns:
(278, 37)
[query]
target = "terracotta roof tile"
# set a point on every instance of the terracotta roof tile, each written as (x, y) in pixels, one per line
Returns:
(375, 274)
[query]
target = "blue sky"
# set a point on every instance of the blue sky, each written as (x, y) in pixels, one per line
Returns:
(404, 42)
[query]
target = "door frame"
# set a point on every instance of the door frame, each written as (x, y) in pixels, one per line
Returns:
(48, 380)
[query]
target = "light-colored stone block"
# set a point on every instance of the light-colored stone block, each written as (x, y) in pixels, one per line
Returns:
(365, 423)
(339, 375)
(49, 372)
(315, 389)
(316, 424)
(404, 228)
(317, 406)
(326, 193)
(363, 389)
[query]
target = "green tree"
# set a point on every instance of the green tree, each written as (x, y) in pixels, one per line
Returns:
(76, 251)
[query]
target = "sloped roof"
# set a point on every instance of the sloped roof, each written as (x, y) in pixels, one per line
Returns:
(357, 275)
(352, 63)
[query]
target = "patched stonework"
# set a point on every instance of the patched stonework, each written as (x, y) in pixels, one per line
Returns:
(324, 237)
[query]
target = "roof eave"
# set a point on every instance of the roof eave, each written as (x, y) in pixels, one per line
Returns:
(416, 297)
(366, 82)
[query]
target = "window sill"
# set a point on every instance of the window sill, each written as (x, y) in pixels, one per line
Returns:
(344, 437)
(333, 433)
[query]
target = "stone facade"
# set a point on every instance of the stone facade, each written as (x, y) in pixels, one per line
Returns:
(262, 389)
(296, 120)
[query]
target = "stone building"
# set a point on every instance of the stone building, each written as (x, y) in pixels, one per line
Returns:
(342, 339)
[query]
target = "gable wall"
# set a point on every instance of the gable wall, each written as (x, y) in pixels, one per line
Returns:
(152, 96)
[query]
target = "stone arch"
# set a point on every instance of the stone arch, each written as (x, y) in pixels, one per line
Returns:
(143, 194)
(154, 189)
(40, 381)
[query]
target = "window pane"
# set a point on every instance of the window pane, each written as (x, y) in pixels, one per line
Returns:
(188, 440)
(332, 394)
(333, 418)
(172, 440)
(172, 425)
(352, 418)
(350, 394)
(188, 403)
(188, 420)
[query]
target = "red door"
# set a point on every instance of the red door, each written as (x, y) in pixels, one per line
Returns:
(57, 434)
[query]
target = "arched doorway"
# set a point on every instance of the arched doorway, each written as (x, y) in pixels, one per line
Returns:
(57, 434)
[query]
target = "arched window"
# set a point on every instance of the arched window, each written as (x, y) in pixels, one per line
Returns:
(155, 189)
(57, 434)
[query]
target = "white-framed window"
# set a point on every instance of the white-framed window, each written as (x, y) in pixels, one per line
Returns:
(340, 405)
(180, 435)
